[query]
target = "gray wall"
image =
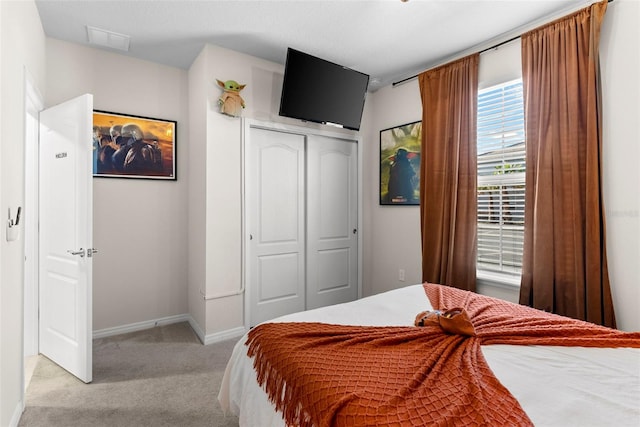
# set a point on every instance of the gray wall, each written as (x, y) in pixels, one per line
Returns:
(140, 226)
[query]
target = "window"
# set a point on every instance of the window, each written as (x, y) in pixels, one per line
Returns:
(501, 180)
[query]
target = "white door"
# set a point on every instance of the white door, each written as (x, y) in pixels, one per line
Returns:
(66, 237)
(275, 195)
(332, 217)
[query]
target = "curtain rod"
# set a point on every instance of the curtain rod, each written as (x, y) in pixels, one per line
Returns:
(415, 76)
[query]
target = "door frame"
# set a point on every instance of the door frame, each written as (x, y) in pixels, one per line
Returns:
(247, 124)
(33, 104)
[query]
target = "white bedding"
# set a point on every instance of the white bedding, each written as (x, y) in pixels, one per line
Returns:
(556, 386)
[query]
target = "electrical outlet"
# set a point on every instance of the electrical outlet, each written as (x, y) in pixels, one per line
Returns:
(401, 275)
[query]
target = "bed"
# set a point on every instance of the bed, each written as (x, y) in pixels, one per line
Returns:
(555, 385)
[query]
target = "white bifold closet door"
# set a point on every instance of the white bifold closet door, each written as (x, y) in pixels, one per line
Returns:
(302, 222)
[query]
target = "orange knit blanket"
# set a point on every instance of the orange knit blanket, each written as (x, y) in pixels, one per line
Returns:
(334, 375)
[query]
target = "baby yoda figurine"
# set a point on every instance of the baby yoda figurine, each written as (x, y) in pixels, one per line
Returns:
(231, 103)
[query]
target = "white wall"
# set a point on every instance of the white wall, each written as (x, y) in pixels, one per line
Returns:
(391, 233)
(22, 47)
(620, 64)
(196, 168)
(391, 246)
(140, 226)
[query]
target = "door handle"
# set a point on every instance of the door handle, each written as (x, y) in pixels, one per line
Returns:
(78, 252)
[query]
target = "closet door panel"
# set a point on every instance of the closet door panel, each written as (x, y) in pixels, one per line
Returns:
(332, 251)
(276, 223)
(333, 269)
(279, 277)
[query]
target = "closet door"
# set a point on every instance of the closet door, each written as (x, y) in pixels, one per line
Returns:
(276, 224)
(332, 216)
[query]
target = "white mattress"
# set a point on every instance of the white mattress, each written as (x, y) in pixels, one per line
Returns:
(556, 386)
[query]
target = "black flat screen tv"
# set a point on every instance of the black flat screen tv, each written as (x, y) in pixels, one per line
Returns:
(321, 91)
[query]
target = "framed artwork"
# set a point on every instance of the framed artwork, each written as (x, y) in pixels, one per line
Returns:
(126, 146)
(400, 154)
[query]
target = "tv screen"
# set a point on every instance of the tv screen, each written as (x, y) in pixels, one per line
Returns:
(320, 91)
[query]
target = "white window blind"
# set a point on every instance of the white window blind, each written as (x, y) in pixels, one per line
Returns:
(501, 179)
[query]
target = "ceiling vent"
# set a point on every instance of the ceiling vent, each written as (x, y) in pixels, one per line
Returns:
(104, 38)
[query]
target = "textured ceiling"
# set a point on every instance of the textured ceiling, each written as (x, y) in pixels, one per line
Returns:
(387, 39)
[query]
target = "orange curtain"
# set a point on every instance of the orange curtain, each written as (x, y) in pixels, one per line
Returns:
(448, 188)
(565, 262)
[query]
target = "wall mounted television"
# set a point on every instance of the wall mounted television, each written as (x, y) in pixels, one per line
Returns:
(317, 90)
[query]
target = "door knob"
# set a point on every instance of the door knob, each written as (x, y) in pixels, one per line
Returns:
(78, 252)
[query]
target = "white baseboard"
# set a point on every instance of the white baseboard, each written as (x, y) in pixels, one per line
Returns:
(139, 326)
(17, 413)
(217, 336)
(224, 335)
(197, 329)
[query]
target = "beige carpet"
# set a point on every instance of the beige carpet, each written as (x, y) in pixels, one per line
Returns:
(158, 377)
